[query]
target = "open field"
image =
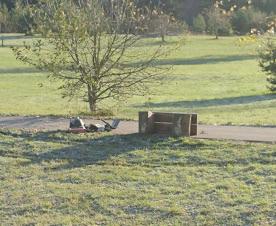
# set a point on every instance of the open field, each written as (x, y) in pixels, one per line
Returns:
(218, 79)
(55, 178)
(65, 179)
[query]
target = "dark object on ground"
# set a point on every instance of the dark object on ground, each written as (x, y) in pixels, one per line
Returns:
(175, 124)
(76, 123)
(78, 126)
(113, 125)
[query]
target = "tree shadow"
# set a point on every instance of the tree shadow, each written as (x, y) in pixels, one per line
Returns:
(93, 149)
(84, 151)
(19, 70)
(15, 37)
(203, 60)
(210, 102)
(209, 59)
(9, 38)
(12, 45)
(156, 43)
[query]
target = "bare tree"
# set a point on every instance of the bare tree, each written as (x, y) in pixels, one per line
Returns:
(216, 21)
(91, 46)
(162, 23)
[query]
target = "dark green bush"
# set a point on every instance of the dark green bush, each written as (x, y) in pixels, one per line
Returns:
(21, 20)
(225, 29)
(267, 56)
(246, 19)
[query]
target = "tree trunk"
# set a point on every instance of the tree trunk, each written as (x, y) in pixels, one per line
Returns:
(92, 100)
(2, 39)
(162, 34)
(92, 106)
(163, 37)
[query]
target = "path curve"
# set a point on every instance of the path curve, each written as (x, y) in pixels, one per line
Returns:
(240, 133)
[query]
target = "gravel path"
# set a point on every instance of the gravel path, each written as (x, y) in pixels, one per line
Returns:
(240, 133)
(56, 123)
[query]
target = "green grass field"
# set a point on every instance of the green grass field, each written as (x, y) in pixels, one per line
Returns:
(218, 79)
(66, 179)
(55, 178)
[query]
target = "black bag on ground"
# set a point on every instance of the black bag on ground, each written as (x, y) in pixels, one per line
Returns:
(76, 123)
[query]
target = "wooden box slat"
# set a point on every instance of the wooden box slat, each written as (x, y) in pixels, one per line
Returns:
(193, 130)
(194, 119)
(146, 120)
(163, 117)
(163, 127)
(175, 124)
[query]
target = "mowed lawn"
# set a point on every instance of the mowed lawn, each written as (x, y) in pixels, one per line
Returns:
(66, 179)
(218, 79)
(55, 178)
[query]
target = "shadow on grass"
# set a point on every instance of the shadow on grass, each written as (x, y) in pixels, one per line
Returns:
(128, 150)
(20, 70)
(8, 46)
(156, 43)
(91, 149)
(211, 102)
(15, 37)
(209, 59)
(19, 37)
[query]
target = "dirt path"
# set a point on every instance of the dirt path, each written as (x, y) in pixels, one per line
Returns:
(241, 133)
(56, 123)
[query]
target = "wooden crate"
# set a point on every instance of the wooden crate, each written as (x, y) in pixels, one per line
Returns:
(174, 124)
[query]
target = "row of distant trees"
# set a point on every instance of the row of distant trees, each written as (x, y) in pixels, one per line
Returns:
(187, 10)
(200, 16)
(15, 17)
(171, 16)
(239, 22)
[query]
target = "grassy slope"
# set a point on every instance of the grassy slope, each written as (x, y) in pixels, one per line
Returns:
(216, 78)
(65, 179)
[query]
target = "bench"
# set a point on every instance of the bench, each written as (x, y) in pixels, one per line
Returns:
(174, 124)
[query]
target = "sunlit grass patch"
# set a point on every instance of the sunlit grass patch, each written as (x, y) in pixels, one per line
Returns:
(218, 79)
